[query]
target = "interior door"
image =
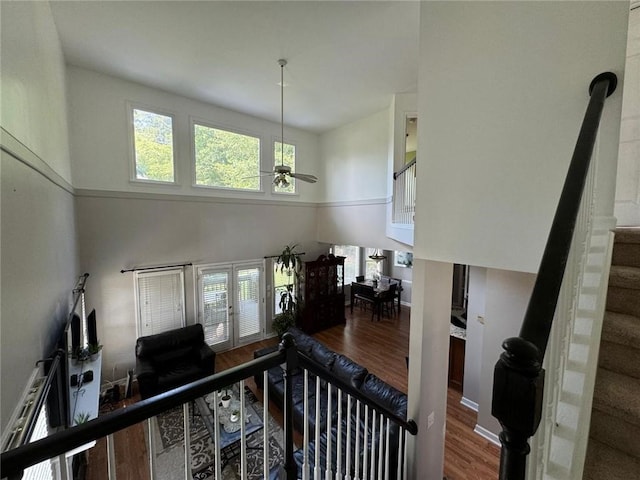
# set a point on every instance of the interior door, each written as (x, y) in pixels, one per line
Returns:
(231, 304)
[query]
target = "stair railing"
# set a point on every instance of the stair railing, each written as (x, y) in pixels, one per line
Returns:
(518, 388)
(13, 462)
(404, 193)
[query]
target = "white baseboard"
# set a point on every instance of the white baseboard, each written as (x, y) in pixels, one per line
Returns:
(469, 404)
(483, 432)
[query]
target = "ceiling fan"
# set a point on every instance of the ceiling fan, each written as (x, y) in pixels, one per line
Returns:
(282, 172)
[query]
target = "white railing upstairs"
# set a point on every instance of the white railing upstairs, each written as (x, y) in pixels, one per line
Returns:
(404, 194)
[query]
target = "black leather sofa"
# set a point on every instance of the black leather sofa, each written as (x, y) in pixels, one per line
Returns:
(170, 359)
(339, 367)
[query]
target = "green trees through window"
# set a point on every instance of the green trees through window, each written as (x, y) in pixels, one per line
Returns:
(226, 159)
(153, 146)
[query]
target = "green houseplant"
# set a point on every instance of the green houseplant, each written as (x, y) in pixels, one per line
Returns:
(288, 262)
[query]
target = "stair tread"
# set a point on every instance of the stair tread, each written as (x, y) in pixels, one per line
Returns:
(615, 432)
(627, 235)
(624, 276)
(622, 329)
(617, 395)
(620, 359)
(604, 462)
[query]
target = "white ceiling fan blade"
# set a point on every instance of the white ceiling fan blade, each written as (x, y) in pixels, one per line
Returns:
(305, 177)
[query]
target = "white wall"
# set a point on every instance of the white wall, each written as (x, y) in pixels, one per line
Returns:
(355, 160)
(119, 232)
(428, 360)
(627, 207)
(507, 297)
(475, 335)
(39, 265)
(101, 149)
(502, 92)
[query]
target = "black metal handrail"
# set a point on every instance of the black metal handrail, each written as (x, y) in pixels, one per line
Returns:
(404, 168)
(519, 377)
(13, 462)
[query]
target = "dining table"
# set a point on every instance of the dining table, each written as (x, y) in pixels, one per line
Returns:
(371, 288)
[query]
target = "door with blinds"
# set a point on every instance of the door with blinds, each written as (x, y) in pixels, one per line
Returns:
(160, 301)
(231, 303)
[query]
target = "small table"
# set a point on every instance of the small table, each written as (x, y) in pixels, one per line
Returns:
(230, 431)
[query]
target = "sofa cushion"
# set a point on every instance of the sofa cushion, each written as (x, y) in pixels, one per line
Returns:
(304, 342)
(323, 355)
(348, 371)
(385, 395)
(171, 340)
(167, 360)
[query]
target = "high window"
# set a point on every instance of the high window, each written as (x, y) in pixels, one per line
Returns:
(351, 261)
(288, 152)
(153, 151)
(225, 159)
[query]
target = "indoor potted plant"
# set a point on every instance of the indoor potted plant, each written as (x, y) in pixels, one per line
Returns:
(288, 261)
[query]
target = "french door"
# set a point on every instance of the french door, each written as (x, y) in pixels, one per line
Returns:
(231, 303)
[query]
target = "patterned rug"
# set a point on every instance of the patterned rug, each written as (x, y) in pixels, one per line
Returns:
(169, 464)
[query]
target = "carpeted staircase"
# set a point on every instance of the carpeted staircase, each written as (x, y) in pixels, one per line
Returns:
(614, 439)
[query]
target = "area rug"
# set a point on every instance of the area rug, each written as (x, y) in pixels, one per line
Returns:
(169, 449)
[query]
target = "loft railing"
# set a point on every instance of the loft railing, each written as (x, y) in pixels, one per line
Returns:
(404, 193)
(518, 387)
(378, 461)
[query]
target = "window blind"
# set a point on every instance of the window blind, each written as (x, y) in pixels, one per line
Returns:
(160, 301)
(248, 302)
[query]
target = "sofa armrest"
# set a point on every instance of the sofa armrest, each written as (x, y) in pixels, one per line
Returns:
(207, 358)
(261, 353)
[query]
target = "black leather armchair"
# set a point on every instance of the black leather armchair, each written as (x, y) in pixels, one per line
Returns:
(173, 358)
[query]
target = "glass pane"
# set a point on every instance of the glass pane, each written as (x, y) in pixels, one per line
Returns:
(248, 302)
(215, 306)
(372, 268)
(153, 145)
(288, 152)
(351, 262)
(281, 279)
(226, 159)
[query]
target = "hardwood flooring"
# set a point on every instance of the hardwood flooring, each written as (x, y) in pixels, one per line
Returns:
(380, 346)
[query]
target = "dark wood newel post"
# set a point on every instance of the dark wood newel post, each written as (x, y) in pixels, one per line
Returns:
(288, 345)
(518, 383)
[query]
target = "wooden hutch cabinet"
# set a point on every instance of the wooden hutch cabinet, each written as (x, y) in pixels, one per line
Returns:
(323, 293)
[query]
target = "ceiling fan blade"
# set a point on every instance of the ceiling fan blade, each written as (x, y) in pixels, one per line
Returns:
(305, 177)
(263, 174)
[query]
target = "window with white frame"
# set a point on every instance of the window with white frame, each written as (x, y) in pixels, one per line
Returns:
(225, 159)
(372, 268)
(160, 300)
(351, 261)
(153, 146)
(285, 154)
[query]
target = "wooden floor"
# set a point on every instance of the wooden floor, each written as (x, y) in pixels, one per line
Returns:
(380, 346)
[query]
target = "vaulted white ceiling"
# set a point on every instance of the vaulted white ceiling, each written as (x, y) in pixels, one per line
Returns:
(346, 58)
